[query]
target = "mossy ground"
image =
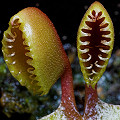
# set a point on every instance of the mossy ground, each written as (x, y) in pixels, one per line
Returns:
(16, 100)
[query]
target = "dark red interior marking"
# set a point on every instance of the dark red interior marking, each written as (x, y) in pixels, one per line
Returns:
(95, 37)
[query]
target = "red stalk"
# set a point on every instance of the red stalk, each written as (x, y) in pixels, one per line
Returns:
(68, 98)
(91, 99)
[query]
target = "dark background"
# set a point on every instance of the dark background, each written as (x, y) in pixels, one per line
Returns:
(65, 15)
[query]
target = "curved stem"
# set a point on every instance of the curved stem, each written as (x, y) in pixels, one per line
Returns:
(68, 98)
(91, 99)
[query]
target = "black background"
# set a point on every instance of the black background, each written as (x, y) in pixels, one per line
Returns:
(65, 15)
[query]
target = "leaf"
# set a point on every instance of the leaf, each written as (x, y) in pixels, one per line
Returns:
(95, 42)
(56, 115)
(33, 51)
(107, 111)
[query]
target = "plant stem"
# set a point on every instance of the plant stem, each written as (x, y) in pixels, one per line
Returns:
(68, 98)
(91, 99)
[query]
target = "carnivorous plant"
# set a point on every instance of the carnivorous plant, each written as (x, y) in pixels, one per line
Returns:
(34, 55)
